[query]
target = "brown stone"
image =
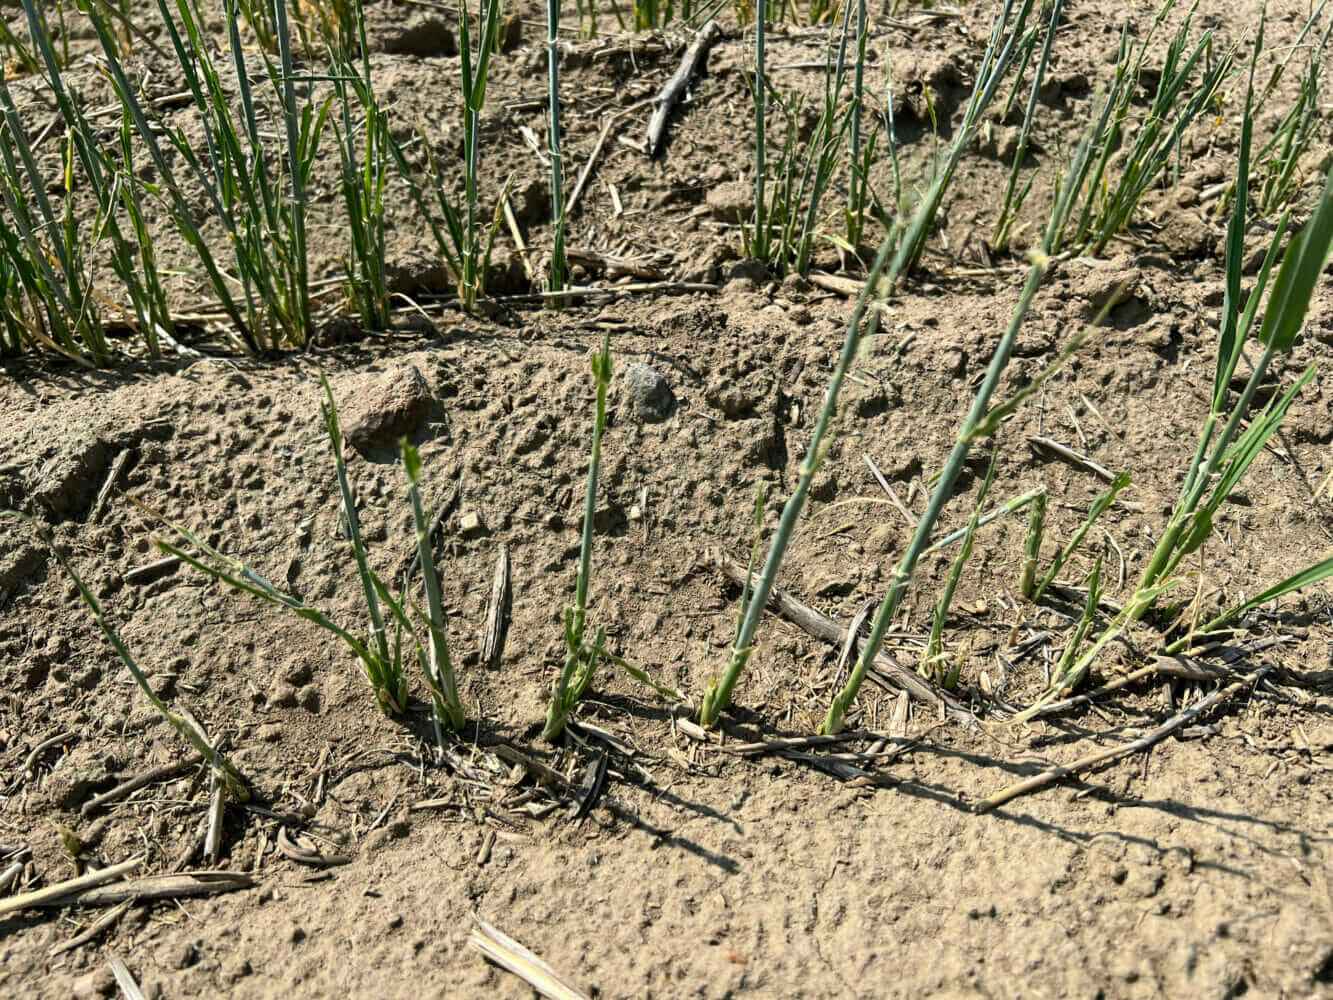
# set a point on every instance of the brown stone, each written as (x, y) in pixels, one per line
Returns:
(384, 409)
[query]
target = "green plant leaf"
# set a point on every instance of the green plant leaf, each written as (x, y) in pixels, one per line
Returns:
(1298, 275)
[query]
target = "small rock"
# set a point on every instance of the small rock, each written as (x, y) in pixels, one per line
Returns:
(385, 409)
(731, 398)
(283, 695)
(377, 839)
(878, 399)
(98, 983)
(1106, 283)
(883, 539)
(795, 286)
(731, 202)
(749, 269)
(609, 518)
(413, 271)
(419, 35)
(1184, 233)
(470, 525)
(270, 732)
(649, 394)
(834, 585)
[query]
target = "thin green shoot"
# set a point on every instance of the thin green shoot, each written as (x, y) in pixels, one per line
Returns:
(261, 207)
(1110, 181)
(438, 667)
(557, 276)
(1278, 161)
(580, 656)
(982, 420)
(364, 176)
(861, 325)
(44, 245)
(1098, 508)
(1014, 196)
(1004, 510)
(235, 783)
(1064, 668)
(932, 659)
(1317, 573)
(1227, 447)
(381, 664)
(1027, 577)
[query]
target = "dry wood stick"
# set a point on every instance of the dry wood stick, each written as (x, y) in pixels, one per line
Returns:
(1070, 456)
(104, 495)
(29, 765)
(507, 953)
(847, 287)
(613, 291)
(42, 897)
(497, 614)
(99, 925)
(613, 265)
(216, 810)
(886, 671)
(1175, 666)
(150, 571)
(201, 883)
(893, 497)
(1107, 754)
(795, 743)
(674, 90)
(139, 780)
(607, 125)
(129, 987)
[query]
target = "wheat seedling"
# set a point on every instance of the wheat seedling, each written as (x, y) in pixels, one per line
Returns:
(381, 664)
(364, 176)
(581, 656)
(1232, 436)
(999, 53)
(222, 765)
(557, 274)
(933, 657)
(1014, 196)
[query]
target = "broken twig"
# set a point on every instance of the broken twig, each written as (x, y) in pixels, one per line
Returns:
(1107, 754)
(670, 95)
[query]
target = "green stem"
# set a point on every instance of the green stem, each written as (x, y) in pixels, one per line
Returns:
(902, 573)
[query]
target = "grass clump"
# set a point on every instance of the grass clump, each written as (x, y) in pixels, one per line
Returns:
(861, 325)
(383, 660)
(1111, 175)
(364, 175)
(256, 188)
(1234, 432)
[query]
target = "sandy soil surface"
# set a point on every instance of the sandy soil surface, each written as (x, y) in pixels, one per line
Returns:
(1199, 869)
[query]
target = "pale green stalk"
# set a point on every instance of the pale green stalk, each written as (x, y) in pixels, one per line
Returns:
(580, 657)
(1027, 577)
(718, 696)
(439, 667)
(931, 658)
(236, 784)
(1098, 508)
